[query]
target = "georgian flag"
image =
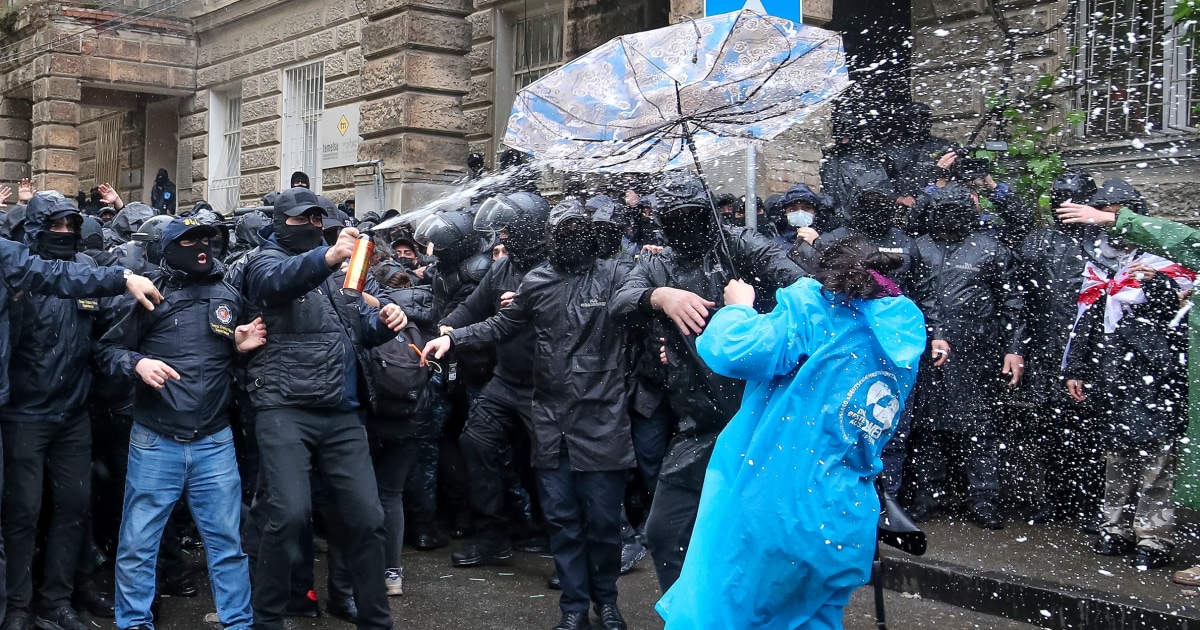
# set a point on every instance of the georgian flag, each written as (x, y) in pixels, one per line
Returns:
(1122, 290)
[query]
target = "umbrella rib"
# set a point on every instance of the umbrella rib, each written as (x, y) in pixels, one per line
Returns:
(638, 83)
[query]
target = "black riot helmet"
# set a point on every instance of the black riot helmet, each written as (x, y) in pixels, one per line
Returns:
(610, 220)
(1072, 186)
(452, 235)
(1118, 192)
(149, 236)
(521, 216)
(571, 236)
(682, 206)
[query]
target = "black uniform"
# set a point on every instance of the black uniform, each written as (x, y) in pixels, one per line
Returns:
(966, 285)
(580, 417)
(702, 402)
(306, 386)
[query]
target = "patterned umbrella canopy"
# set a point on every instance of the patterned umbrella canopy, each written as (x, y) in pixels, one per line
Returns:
(662, 99)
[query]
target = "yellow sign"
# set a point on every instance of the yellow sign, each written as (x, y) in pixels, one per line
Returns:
(343, 125)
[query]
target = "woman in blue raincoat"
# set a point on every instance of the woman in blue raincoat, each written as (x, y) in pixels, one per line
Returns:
(786, 526)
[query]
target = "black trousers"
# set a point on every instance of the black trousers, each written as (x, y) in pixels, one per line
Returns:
(498, 415)
(394, 459)
(38, 455)
(669, 530)
(289, 441)
(583, 513)
(937, 456)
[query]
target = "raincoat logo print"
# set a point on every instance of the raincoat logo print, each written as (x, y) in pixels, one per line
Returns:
(593, 303)
(871, 413)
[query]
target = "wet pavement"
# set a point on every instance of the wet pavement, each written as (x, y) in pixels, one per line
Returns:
(440, 597)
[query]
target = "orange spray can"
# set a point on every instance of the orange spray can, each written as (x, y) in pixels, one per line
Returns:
(360, 265)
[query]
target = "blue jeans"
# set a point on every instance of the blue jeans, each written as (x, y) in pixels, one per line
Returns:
(161, 471)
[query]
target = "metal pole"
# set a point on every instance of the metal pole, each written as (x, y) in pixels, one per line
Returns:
(751, 188)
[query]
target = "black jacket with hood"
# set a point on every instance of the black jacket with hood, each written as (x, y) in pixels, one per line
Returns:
(51, 338)
(316, 357)
(971, 299)
(703, 402)
(191, 331)
(162, 195)
(580, 371)
(842, 168)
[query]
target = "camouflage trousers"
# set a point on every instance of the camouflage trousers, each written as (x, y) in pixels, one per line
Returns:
(1141, 480)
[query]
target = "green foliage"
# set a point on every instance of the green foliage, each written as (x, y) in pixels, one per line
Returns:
(1030, 165)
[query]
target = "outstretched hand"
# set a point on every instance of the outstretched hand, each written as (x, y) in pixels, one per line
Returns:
(250, 336)
(437, 347)
(688, 310)
(143, 290)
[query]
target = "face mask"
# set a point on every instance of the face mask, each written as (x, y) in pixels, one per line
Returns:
(953, 219)
(573, 251)
(58, 245)
(692, 235)
(195, 261)
(527, 259)
(800, 219)
(298, 238)
(407, 263)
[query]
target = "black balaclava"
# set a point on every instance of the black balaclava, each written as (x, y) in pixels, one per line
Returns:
(608, 240)
(573, 244)
(297, 239)
(196, 261)
(59, 245)
(691, 232)
(527, 259)
(872, 214)
(953, 212)
(300, 178)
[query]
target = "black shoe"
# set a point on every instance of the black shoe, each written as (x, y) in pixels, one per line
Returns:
(553, 582)
(631, 554)
(480, 553)
(344, 608)
(303, 606)
(1047, 513)
(191, 543)
(429, 542)
(140, 626)
(574, 621)
(61, 618)
(986, 516)
(537, 543)
(610, 617)
(923, 508)
(88, 597)
(1148, 558)
(18, 620)
(181, 586)
(1112, 545)
(1091, 524)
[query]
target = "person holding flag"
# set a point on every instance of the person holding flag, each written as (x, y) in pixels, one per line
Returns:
(1127, 353)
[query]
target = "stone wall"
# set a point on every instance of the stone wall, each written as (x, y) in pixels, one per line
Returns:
(249, 51)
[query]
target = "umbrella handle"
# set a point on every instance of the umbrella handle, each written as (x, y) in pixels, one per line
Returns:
(722, 245)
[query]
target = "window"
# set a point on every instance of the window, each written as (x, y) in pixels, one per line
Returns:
(537, 49)
(108, 151)
(1137, 73)
(303, 103)
(224, 192)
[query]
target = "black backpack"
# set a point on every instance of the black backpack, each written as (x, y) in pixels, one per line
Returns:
(400, 380)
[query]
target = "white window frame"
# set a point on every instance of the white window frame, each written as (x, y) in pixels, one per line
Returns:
(225, 150)
(303, 106)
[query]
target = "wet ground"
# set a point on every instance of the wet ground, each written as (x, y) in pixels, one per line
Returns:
(440, 597)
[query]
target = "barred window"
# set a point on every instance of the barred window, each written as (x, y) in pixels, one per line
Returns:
(1137, 70)
(303, 104)
(224, 186)
(108, 151)
(538, 49)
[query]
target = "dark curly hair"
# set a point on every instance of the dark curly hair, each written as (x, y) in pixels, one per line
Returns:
(846, 268)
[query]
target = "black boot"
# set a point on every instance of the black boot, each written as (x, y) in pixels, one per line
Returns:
(88, 597)
(482, 553)
(182, 585)
(610, 617)
(343, 608)
(986, 515)
(574, 621)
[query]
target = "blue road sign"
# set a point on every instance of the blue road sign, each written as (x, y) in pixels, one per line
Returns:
(787, 9)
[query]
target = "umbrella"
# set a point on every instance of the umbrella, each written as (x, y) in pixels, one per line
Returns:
(711, 86)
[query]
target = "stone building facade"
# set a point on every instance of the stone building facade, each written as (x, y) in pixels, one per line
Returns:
(231, 96)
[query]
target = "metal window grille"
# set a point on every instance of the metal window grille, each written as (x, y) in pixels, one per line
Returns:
(1138, 77)
(538, 49)
(303, 103)
(224, 190)
(108, 151)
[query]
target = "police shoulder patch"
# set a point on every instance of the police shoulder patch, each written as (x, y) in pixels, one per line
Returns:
(224, 314)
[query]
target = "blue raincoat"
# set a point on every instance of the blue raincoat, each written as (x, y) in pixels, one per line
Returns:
(786, 525)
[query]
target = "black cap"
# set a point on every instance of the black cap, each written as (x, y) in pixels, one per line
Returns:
(294, 202)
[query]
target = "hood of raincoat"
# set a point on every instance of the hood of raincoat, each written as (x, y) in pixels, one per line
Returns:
(38, 213)
(891, 320)
(1118, 191)
(129, 219)
(13, 226)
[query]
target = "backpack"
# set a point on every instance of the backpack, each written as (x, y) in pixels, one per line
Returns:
(400, 379)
